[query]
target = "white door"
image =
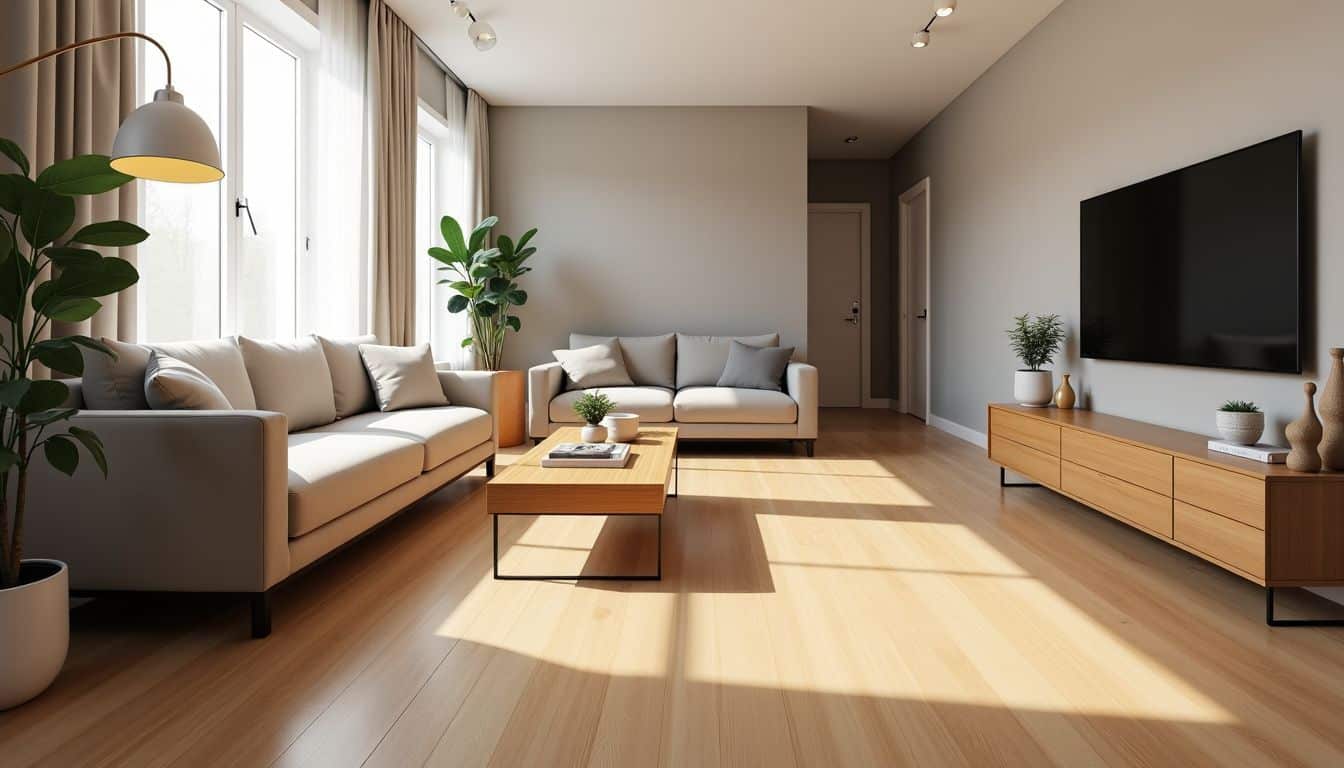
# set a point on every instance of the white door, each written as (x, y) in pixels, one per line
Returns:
(834, 309)
(915, 267)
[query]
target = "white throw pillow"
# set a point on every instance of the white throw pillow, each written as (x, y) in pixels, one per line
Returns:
(403, 377)
(115, 384)
(700, 359)
(175, 385)
(651, 361)
(291, 377)
(599, 365)
(349, 379)
(222, 362)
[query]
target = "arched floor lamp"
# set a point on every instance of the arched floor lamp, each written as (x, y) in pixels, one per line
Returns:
(162, 140)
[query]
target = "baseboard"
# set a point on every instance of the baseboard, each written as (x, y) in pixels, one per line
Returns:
(957, 430)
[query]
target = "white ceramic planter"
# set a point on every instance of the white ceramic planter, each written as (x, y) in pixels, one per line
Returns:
(1034, 388)
(593, 433)
(621, 427)
(1240, 427)
(34, 632)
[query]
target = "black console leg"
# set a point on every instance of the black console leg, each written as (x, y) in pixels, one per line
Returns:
(261, 614)
(490, 467)
(1273, 622)
(1005, 484)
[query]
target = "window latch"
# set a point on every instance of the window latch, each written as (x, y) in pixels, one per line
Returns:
(239, 206)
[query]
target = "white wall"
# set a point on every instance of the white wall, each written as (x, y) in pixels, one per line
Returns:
(654, 220)
(1100, 95)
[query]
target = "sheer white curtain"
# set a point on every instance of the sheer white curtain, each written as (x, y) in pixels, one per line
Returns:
(337, 264)
(447, 329)
(478, 158)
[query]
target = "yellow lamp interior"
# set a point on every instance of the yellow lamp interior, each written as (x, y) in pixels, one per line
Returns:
(167, 169)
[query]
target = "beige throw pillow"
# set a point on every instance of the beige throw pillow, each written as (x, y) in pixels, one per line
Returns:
(403, 377)
(600, 365)
(115, 384)
(174, 385)
(291, 377)
(651, 361)
(221, 361)
(349, 380)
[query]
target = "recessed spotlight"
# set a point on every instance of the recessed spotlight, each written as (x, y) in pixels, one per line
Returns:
(944, 7)
(851, 139)
(921, 39)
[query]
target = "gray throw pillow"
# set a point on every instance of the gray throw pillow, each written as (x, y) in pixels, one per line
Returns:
(700, 359)
(751, 367)
(403, 377)
(349, 380)
(115, 384)
(174, 385)
(600, 365)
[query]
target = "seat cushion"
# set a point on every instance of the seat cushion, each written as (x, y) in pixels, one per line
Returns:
(291, 377)
(727, 405)
(222, 361)
(653, 405)
(650, 360)
(331, 473)
(446, 432)
(701, 359)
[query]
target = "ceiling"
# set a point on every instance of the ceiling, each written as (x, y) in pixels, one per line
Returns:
(849, 60)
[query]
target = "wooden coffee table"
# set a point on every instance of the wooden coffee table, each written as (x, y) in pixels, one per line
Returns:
(639, 489)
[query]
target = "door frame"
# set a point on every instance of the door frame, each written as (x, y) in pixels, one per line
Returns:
(865, 211)
(904, 260)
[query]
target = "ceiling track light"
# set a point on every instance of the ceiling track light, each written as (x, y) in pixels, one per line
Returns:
(480, 33)
(941, 10)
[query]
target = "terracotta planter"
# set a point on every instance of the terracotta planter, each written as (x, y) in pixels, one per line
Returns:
(512, 387)
(34, 630)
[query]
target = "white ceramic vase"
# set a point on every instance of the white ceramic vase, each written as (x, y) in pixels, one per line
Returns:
(594, 433)
(1240, 427)
(621, 427)
(1034, 388)
(34, 632)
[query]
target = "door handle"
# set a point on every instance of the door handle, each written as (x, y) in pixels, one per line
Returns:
(241, 205)
(923, 314)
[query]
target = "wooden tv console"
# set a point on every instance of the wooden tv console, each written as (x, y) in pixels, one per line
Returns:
(1264, 522)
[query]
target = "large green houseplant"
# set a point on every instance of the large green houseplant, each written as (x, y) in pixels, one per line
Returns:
(46, 274)
(485, 280)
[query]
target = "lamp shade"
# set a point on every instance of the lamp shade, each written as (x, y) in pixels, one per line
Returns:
(165, 141)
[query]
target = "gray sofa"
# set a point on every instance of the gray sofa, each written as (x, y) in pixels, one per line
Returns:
(675, 377)
(232, 501)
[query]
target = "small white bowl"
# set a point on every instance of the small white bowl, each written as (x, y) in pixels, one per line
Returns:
(621, 427)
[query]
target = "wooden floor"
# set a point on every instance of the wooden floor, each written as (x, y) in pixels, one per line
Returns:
(885, 603)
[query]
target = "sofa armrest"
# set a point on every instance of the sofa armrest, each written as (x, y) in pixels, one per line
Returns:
(801, 381)
(476, 389)
(194, 501)
(543, 384)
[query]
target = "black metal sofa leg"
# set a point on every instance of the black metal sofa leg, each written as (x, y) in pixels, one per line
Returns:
(261, 614)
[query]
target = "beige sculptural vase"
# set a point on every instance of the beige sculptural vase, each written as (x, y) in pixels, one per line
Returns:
(1304, 435)
(1064, 396)
(1332, 414)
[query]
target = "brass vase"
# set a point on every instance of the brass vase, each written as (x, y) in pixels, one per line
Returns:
(1064, 396)
(1332, 414)
(1304, 435)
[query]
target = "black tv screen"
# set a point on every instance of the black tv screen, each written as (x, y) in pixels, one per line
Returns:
(1200, 266)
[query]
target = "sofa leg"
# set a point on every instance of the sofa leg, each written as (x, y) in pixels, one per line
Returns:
(811, 447)
(261, 614)
(490, 467)
(537, 441)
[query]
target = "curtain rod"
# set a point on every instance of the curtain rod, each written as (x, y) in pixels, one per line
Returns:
(419, 41)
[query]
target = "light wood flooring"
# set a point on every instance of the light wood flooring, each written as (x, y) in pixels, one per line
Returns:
(885, 603)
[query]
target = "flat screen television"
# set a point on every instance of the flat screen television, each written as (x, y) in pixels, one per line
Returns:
(1201, 266)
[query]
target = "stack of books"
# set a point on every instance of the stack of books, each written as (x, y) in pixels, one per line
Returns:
(587, 455)
(1268, 454)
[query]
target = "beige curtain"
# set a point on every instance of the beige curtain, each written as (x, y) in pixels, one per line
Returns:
(477, 150)
(73, 105)
(392, 95)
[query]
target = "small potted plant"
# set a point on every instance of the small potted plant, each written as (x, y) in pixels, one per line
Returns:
(1241, 422)
(1035, 342)
(593, 407)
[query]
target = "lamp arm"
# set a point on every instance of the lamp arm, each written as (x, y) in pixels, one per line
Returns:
(91, 41)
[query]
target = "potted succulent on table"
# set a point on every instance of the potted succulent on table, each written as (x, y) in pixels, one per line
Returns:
(593, 407)
(45, 275)
(1241, 422)
(1035, 342)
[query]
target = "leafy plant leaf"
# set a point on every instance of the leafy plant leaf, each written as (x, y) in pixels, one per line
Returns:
(11, 150)
(482, 271)
(452, 235)
(505, 245)
(444, 255)
(81, 175)
(94, 344)
(63, 256)
(514, 323)
(481, 232)
(12, 392)
(457, 303)
(44, 216)
(466, 342)
(6, 243)
(93, 445)
(518, 297)
(114, 234)
(43, 395)
(72, 309)
(60, 355)
(13, 275)
(61, 453)
(101, 278)
(11, 191)
(486, 308)
(525, 239)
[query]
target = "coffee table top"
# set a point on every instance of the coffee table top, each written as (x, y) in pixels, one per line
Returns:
(640, 487)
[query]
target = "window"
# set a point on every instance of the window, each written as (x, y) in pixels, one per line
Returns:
(439, 174)
(223, 258)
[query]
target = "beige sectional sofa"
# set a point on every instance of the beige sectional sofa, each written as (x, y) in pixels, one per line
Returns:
(232, 500)
(675, 377)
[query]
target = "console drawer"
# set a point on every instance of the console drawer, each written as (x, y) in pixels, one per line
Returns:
(1230, 494)
(1041, 467)
(1025, 430)
(1140, 466)
(1228, 541)
(1140, 506)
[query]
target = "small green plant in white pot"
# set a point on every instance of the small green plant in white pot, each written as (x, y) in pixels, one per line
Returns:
(1241, 422)
(593, 407)
(1036, 342)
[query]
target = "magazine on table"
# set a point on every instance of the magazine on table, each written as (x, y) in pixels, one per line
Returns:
(587, 455)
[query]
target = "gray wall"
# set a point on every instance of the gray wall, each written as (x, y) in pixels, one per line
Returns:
(654, 220)
(1100, 95)
(867, 181)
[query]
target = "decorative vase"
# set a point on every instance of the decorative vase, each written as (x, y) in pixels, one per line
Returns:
(1332, 414)
(594, 433)
(34, 630)
(1064, 396)
(621, 427)
(1033, 388)
(1304, 435)
(1241, 427)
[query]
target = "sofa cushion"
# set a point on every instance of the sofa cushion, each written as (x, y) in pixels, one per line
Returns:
(350, 385)
(597, 365)
(403, 377)
(653, 405)
(173, 385)
(651, 361)
(726, 405)
(755, 367)
(331, 473)
(446, 432)
(700, 359)
(221, 360)
(291, 377)
(116, 384)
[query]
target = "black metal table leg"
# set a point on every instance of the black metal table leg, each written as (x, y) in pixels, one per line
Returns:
(1003, 483)
(581, 577)
(676, 471)
(1273, 622)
